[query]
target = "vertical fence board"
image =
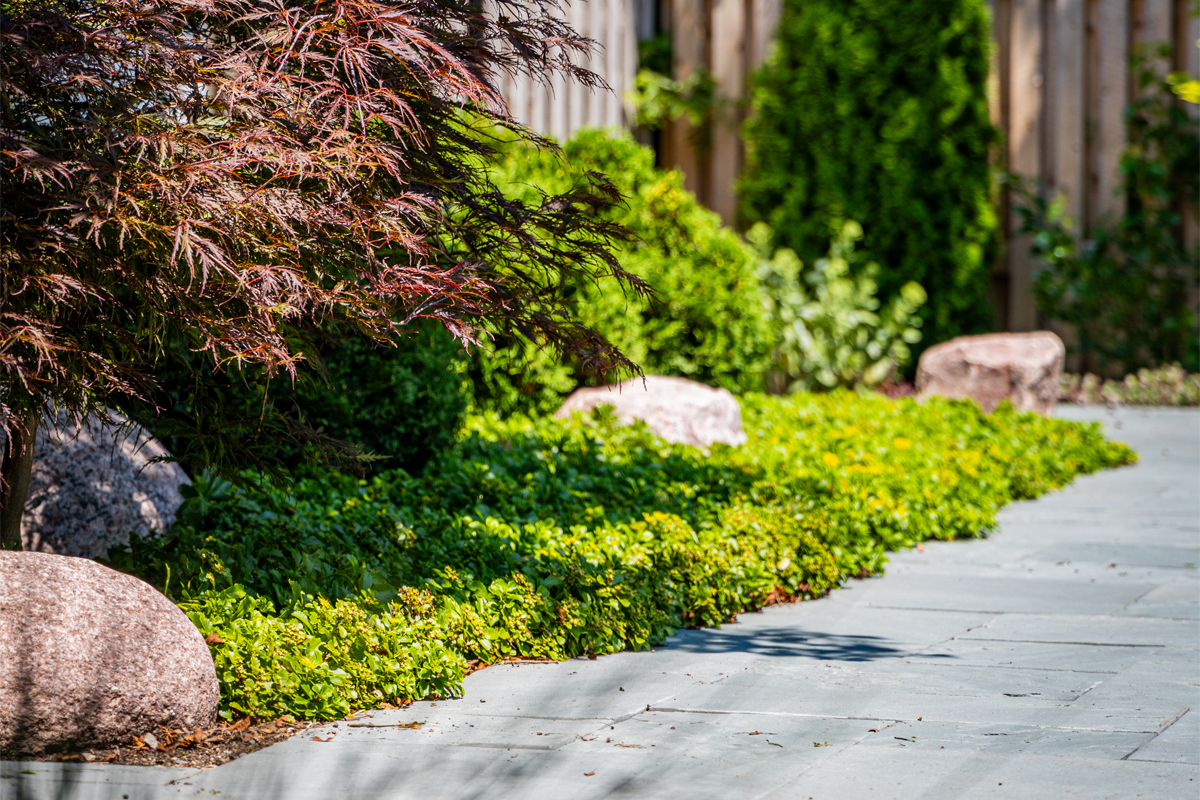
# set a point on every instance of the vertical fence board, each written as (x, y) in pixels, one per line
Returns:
(764, 21)
(614, 53)
(728, 66)
(690, 52)
(577, 96)
(1025, 81)
(1107, 117)
(1066, 112)
(630, 36)
(1185, 57)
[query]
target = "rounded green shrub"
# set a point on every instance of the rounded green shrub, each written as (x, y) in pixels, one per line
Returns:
(876, 111)
(403, 403)
(354, 402)
(706, 321)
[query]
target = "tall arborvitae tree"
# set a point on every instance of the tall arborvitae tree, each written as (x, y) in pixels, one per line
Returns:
(876, 111)
(235, 174)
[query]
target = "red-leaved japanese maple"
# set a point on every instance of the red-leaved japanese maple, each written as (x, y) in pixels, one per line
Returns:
(240, 172)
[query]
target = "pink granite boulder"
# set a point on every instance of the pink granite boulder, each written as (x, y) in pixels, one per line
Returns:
(95, 484)
(90, 657)
(676, 409)
(1022, 367)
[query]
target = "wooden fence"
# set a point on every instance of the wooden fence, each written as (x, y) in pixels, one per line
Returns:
(562, 107)
(727, 37)
(1060, 85)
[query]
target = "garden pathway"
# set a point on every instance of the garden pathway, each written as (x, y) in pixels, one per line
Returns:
(1060, 657)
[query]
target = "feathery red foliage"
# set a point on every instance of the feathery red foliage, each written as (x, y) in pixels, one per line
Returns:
(244, 170)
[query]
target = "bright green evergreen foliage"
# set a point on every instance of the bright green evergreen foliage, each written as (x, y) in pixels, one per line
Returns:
(547, 538)
(876, 111)
(707, 322)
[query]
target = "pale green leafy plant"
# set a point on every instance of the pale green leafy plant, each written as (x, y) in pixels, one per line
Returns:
(829, 329)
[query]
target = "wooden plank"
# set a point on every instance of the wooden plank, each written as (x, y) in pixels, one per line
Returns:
(1110, 62)
(629, 65)
(557, 107)
(1186, 58)
(998, 88)
(728, 65)
(763, 24)
(1150, 23)
(1067, 111)
(576, 94)
(1025, 155)
(596, 13)
(614, 61)
(690, 52)
(538, 96)
(518, 98)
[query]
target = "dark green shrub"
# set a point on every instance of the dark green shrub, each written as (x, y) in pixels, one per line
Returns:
(707, 322)
(403, 403)
(876, 111)
(353, 401)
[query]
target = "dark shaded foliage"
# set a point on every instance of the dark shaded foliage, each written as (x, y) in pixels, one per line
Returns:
(363, 405)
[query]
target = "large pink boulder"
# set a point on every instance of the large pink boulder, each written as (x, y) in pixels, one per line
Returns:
(676, 409)
(1022, 367)
(90, 657)
(94, 484)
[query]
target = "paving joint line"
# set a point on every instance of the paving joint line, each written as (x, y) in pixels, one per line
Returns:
(1059, 641)
(1162, 729)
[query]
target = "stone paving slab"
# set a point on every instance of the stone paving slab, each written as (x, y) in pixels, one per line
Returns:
(1058, 658)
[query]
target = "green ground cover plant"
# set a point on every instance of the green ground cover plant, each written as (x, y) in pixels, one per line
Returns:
(535, 537)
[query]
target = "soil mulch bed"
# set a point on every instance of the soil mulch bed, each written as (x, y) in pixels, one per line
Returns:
(198, 749)
(212, 747)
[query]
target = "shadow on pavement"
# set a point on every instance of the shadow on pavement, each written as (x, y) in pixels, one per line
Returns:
(788, 642)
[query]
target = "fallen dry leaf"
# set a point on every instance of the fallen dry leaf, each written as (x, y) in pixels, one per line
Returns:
(412, 726)
(872, 730)
(588, 774)
(319, 739)
(622, 744)
(212, 638)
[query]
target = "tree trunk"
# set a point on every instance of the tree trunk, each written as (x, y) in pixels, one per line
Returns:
(18, 464)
